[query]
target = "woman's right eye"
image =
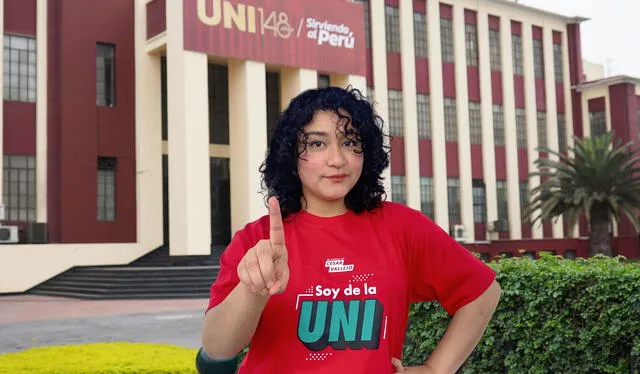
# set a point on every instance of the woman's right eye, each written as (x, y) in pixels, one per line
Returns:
(314, 144)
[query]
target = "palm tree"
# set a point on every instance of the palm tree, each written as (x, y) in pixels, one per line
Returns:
(601, 180)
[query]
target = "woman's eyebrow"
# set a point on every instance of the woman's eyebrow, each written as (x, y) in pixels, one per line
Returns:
(319, 133)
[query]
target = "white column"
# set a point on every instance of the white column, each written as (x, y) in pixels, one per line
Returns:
(462, 105)
(409, 106)
(531, 112)
(355, 81)
(510, 132)
(379, 61)
(41, 111)
(188, 137)
(293, 82)
(568, 107)
(247, 139)
(552, 111)
(436, 98)
(148, 130)
(2, 209)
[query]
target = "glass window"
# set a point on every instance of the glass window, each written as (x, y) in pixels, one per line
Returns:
(503, 202)
(495, 50)
(392, 28)
(426, 196)
(219, 103)
(558, 66)
(105, 74)
(19, 66)
(538, 59)
(450, 120)
(562, 132)
(421, 44)
(367, 21)
(106, 189)
(524, 197)
(479, 202)
(498, 125)
(446, 39)
(542, 128)
(453, 193)
(398, 192)
(475, 122)
(471, 40)
(19, 187)
(424, 117)
(598, 122)
(396, 126)
(323, 81)
(521, 127)
(516, 45)
(273, 103)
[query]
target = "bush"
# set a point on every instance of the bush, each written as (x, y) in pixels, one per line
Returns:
(555, 316)
(101, 358)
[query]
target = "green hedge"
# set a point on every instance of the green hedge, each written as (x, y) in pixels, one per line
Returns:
(555, 316)
(101, 358)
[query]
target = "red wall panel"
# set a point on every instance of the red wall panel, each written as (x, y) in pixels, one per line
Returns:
(596, 105)
(560, 102)
(422, 75)
(537, 32)
(19, 128)
(449, 79)
(541, 97)
(496, 87)
(452, 160)
(575, 54)
(394, 71)
(470, 17)
(426, 158)
(518, 85)
(494, 23)
(20, 17)
(156, 17)
(473, 83)
(420, 6)
(391, 2)
(516, 28)
(446, 11)
(477, 169)
(523, 164)
(397, 156)
(557, 37)
(576, 108)
(501, 163)
(481, 231)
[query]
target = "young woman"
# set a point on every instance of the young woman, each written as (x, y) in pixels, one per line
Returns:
(322, 284)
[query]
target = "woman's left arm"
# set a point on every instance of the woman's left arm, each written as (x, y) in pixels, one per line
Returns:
(463, 334)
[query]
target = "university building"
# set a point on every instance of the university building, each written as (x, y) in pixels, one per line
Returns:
(127, 125)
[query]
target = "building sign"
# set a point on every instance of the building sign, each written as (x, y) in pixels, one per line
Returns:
(325, 35)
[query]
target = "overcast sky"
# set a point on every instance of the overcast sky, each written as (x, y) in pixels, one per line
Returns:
(610, 37)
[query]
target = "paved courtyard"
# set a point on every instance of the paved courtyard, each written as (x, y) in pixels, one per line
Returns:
(32, 321)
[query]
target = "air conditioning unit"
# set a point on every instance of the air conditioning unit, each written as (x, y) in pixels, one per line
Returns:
(500, 225)
(459, 233)
(8, 234)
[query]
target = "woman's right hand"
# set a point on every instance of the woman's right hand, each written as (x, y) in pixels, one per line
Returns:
(264, 269)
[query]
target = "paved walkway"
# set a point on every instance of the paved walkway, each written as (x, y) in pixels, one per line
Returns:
(31, 321)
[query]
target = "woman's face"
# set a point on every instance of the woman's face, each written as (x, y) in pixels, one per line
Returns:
(331, 163)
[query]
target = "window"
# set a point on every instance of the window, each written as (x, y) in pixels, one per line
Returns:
(105, 74)
(323, 81)
(453, 193)
(398, 193)
(19, 65)
(450, 121)
(503, 202)
(498, 125)
(598, 122)
(516, 45)
(106, 188)
(495, 51)
(420, 42)
(392, 28)
(479, 202)
(521, 127)
(219, 104)
(371, 94)
(471, 40)
(542, 129)
(558, 66)
(396, 126)
(273, 102)
(426, 196)
(19, 187)
(424, 116)
(446, 39)
(475, 122)
(538, 59)
(524, 194)
(367, 21)
(562, 132)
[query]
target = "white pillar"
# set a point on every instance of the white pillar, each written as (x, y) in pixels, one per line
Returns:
(295, 81)
(148, 130)
(379, 61)
(552, 111)
(531, 112)
(510, 132)
(2, 209)
(568, 108)
(247, 139)
(355, 81)
(41, 110)
(409, 106)
(462, 105)
(188, 137)
(436, 97)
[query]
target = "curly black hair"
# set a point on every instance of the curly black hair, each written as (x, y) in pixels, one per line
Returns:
(280, 168)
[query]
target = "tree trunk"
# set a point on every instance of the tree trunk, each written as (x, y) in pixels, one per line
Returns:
(599, 236)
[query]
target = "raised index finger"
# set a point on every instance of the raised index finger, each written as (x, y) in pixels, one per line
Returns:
(276, 231)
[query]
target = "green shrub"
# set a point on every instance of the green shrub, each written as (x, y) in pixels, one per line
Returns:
(101, 358)
(555, 316)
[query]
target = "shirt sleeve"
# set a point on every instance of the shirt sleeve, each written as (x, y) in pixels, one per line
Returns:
(441, 269)
(227, 278)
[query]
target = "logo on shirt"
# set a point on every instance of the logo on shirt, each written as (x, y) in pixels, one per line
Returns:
(336, 265)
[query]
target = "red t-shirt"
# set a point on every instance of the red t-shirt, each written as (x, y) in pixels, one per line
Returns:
(352, 278)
